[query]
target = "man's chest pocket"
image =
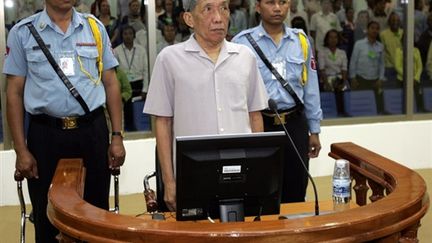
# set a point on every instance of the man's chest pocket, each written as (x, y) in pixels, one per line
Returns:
(86, 58)
(39, 67)
(293, 69)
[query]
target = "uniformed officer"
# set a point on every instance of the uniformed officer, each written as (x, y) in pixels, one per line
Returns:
(59, 126)
(283, 48)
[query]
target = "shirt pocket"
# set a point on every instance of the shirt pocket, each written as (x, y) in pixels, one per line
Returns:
(237, 96)
(87, 58)
(294, 68)
(39, 66)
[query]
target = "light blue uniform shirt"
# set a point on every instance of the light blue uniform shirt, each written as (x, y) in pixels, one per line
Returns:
(44, 92)
(367, 60)
(288, 56)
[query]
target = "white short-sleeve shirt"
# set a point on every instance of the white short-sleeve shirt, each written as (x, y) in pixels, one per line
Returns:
(205, 97)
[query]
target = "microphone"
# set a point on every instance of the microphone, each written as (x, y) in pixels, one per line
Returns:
(273, 107)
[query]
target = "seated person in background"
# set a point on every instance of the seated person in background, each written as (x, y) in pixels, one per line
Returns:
(361, 23)
(183, 31)
(169, 35)
(379, 14)
(299, 23)
(238, 20)
(418, 69)
(391, 39)
(205, 85)
(81, 7)
(110, 22)
(125, 87)
(133, 60)
(168, 15)
(366, 68)
(295, 12)
(348, 26)
(134, 17)
(322, 22)
(333, 66)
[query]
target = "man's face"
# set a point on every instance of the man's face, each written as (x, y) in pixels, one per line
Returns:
(373, 31)
(60, 5)
(134, 8)
(394, 22)
(169, 33)
(273, 12)
(105, 7)
(128, 36)
(209, 19)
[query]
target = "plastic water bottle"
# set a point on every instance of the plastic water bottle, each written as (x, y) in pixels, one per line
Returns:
(341, 185)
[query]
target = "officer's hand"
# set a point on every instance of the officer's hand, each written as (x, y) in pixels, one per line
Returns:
(170, 196)
(314, 146)
(116, 152)
(26, 165)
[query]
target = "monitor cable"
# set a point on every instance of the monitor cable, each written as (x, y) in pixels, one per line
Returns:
(273, 107)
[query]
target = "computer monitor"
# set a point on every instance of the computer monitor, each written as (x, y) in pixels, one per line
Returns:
(229, 176)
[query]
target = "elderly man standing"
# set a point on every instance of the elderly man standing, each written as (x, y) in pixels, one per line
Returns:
(204, 85)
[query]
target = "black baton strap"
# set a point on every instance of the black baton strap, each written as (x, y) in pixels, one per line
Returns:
(57, 69)
(282, 81)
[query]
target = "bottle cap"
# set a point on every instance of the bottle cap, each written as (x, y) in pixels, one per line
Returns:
(341, 163)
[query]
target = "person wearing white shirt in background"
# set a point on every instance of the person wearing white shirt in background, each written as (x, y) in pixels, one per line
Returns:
(322, 22)
(294, 12)
(133, 60)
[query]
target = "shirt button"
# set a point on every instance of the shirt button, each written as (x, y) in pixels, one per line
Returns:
(222, 130)
(219, 109)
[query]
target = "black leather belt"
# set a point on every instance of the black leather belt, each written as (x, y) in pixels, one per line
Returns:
(284, 115)
(70, 122)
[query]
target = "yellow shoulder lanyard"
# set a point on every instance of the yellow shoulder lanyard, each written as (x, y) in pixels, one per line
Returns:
(98, 39)
(304, 46)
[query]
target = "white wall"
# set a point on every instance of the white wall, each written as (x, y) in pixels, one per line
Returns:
(409, 143)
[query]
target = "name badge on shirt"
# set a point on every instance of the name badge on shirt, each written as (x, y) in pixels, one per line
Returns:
(372, 54)
(279, 65)
(67, 61)
(130, 76)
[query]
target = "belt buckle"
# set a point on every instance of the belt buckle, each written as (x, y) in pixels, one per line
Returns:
(69, 123)
(280, 121)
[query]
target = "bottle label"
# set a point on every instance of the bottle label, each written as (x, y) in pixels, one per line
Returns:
(342, 188)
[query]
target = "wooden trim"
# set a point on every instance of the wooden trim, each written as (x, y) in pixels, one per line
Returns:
(396, 214)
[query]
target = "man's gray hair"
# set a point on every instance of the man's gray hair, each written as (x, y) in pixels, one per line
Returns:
(188, 5)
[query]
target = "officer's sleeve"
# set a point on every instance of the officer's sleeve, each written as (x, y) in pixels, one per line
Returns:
(311, 96)
(108, 57)
(15, 58)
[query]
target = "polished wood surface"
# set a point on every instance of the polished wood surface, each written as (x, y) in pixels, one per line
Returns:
(397, 203)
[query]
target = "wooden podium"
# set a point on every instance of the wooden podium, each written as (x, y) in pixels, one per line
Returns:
(392, 214)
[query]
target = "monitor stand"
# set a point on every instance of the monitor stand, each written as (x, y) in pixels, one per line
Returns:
(231, 210)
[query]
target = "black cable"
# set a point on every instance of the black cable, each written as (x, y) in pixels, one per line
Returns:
(272, 105)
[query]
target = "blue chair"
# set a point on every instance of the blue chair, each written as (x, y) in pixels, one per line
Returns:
(360, 103)
(328, 104)
(393, 101)
(427, 98)
(141, 120)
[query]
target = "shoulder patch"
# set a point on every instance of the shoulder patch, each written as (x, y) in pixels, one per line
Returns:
(313, 64)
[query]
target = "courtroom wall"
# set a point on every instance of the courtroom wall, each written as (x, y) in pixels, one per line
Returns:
(408, 143)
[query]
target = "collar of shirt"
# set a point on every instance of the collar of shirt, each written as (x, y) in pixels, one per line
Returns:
(44, 20)
(192, 45)
(261, 32)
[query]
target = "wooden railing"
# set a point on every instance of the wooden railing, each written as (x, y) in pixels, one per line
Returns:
(397, 203)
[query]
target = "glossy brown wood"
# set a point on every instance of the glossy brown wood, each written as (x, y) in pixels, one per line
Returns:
(394, 216)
